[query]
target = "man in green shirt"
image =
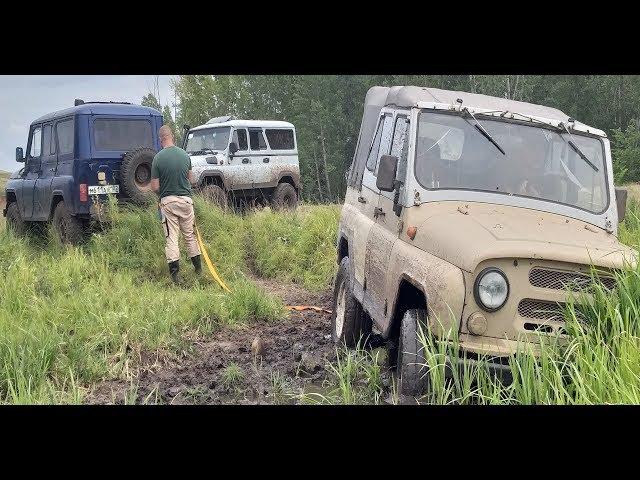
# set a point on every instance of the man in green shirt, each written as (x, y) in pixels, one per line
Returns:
(171, 177)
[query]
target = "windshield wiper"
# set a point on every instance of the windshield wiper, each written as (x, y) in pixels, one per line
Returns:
(203, 151)
(558, 129)
(577, 149)
(486, 134)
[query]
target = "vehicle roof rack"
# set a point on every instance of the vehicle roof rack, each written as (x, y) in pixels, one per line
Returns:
(223, 119)
(82, 102)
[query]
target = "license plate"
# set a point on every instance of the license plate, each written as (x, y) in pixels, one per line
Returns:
(103, 189)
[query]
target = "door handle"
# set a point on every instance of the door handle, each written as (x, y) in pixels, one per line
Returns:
(362, 200)
(245, 160)
(378, 212)
(265, 160)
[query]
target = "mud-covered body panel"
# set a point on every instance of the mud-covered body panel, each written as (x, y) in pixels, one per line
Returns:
(442, 283)
(466, 234)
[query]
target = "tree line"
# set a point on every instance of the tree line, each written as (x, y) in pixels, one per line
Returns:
(327, 110)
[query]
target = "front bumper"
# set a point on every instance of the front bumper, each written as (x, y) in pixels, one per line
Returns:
(493, 354)
(498, 367)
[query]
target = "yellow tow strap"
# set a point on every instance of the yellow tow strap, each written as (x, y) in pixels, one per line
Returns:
(217, 278)
(207, 260)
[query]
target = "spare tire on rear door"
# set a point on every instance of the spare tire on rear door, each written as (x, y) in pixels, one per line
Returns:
(135, 175)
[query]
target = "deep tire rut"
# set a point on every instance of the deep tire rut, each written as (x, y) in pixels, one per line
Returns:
(223, 369)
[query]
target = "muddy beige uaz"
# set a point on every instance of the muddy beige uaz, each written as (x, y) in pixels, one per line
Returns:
(470, 212)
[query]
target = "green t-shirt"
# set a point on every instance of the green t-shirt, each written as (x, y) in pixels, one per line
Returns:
(171, 166)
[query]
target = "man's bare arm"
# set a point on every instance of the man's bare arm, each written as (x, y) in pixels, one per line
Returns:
(192, 179)
(155, 184)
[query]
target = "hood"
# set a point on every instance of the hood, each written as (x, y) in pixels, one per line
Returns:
(466, 234)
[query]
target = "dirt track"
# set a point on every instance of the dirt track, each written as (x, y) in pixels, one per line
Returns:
(294, 356)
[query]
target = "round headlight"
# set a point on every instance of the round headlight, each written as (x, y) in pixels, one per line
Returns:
(491, 289)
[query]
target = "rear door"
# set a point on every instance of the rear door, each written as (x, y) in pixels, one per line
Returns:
(111, 138)
(32, 170)
(282, 158)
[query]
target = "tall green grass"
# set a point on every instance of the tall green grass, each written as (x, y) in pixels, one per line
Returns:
(72, 316)
(299, 246)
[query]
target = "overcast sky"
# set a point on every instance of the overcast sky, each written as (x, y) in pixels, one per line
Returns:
(23, 98)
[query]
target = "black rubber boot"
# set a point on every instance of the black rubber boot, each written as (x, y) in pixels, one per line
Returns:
(173, 271)
(197, 264)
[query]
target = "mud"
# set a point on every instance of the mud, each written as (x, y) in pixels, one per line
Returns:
(291, 357)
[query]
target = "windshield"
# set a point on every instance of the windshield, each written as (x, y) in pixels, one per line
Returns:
(538, 162)
(214, 139)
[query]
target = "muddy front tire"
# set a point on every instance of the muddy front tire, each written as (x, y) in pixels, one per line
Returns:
(69, 229)
(15, 223)
(215, 195)
(411, 370)
(348, 319)
(284, 197)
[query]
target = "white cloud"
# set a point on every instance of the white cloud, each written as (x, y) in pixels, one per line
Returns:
(25, 98)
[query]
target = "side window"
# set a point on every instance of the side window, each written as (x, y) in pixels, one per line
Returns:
(256, 139)
(46, 140)
(400, 144)
(280, 139)
(385, 140)
(399, 137)
(36, 142)
(64, 133)
(240, 137)
(373, 154)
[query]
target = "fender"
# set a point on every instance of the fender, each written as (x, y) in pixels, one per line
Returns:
(63, 186)
(212, 173)
(9, 193)
(441, 282)
(290, 173)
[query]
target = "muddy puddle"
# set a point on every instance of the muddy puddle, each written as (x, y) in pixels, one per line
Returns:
(260, 363)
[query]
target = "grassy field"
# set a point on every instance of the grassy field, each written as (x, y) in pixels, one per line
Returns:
(70, 317)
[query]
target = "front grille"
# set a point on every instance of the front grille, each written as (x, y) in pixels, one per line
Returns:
(560, 280)
(541, 310)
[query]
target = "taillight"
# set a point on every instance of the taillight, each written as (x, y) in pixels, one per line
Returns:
(83, 192)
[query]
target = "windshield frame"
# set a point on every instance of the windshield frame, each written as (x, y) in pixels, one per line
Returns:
(194, 131)
(497, 194)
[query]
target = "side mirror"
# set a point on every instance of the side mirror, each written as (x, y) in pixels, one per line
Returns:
(621, 202)
(386, 180)
(233, 148)
(19, 155)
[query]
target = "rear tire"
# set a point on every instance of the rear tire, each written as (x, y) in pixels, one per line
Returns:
(284, 197)
(69, 229)
(411, 371)
(348, 321)
(14, 220)
(215, 195)
(135, 174)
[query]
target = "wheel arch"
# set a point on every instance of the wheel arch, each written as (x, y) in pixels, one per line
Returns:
(410, 294)
(342, 248)
(56, 197)
(213, 178)
(11, 197)
(291, 178)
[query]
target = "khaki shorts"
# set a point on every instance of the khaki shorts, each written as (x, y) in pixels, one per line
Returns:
(178, 217)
